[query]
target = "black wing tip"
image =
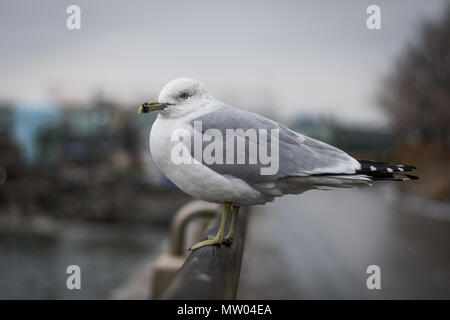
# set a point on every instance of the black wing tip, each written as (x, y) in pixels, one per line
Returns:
(381, 176)
(407, 167)
(372, 166)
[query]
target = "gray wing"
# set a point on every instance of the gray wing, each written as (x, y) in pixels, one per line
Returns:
(299, 155)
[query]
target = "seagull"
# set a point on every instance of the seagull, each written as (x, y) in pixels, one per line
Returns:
(236, 172)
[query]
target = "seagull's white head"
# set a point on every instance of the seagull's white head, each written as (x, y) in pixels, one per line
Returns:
(179, 97)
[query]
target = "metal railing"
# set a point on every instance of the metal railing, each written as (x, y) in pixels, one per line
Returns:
(210, 272)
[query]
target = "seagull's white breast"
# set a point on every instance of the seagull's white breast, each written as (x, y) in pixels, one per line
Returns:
(196, 180)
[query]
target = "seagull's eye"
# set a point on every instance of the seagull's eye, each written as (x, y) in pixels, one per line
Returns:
(184, 95)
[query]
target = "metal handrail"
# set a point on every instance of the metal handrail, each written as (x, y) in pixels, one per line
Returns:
(189, 212)
(211, 272)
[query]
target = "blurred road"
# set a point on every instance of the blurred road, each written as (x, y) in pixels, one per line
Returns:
(319, 244)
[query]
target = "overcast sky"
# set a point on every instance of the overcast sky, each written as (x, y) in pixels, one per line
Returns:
(290, 56)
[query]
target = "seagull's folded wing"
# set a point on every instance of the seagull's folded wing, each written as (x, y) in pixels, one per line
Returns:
(299, 155)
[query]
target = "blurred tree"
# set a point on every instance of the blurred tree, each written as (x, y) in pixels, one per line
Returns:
(417, 93)
(11, 164)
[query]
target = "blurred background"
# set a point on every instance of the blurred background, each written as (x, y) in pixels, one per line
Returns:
(78, 186)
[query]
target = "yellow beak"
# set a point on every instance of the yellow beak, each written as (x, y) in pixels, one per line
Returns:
(152, 106)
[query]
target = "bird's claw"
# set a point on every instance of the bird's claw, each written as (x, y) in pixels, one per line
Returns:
(228, 241)
(210, 242)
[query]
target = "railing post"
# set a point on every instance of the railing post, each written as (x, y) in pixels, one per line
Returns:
(168, 264)
(211, 272)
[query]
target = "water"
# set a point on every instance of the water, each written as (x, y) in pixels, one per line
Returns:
(33, 262)
(318, 245)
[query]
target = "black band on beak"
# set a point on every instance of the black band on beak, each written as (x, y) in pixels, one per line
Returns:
(145, 108)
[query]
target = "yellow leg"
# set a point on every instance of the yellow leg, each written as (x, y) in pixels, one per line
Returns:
(218, 239)
(229, 238)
